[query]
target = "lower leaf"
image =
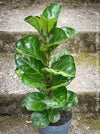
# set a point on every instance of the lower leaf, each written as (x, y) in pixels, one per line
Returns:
(34, 102)
(72, 100)
(54, 115)
(40, 119)
(57, 99)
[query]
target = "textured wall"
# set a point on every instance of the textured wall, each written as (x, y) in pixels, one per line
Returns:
(82, 42)
(49, 1)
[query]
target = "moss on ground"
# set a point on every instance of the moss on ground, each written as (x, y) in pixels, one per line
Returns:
(87, 59)
(90, 119)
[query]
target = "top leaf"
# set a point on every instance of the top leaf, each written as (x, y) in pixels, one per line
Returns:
(49, 17)
(47, 24)
(52, 11)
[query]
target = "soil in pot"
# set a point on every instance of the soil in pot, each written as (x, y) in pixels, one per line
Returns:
(65, 116)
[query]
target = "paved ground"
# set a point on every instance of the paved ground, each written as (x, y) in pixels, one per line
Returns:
(81, 124)
(82, 18)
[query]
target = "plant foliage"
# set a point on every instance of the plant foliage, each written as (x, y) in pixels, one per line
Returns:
(33, 60)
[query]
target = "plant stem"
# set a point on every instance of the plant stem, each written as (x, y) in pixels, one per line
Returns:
(47, 65)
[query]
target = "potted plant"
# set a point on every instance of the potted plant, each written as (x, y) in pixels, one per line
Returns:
(50, 77)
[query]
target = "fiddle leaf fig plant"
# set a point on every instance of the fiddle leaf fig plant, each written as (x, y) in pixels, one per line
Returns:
(36, 69)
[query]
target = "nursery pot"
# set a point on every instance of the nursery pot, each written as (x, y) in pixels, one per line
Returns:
(62, 129)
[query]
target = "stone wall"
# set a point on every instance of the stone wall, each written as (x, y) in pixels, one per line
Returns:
(12, 104)
(82, 42)
(48, 1)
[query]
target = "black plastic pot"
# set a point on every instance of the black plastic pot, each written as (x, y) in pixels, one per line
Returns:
(63, 129)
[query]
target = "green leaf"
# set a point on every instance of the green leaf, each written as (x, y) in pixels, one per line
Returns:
(70, 32)
(57, 36)
(63, 66)
(33, 76)
(34, 102)
(32, 82)
(54, 115)
(59, 55)
(57, 99)
(60, 35)
(34, 21)
(52, 11)
(59, 81)
(40, 119)
(47, 24)
(72, 100)
(30, 46)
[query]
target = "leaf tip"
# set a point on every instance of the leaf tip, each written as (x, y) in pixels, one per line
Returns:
(28, 18)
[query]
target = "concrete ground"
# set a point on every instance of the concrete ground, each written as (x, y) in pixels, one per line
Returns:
(81, 124)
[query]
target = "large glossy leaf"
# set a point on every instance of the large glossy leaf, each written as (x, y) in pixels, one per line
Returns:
(57, 99)
(64, 66)
(59, 81)
(62, 69)
(32, 75)
(40, 119)
(34, 21)
(34, 102)
(52, 11)
(59, 55)
(72, 100)
(57, 36)
(54, 115)
(30, 46)
(47, 24)
(70, 32)
(32, 82)
(60, 35)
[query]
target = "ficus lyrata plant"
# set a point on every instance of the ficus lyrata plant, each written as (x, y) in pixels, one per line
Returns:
(36, 69)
